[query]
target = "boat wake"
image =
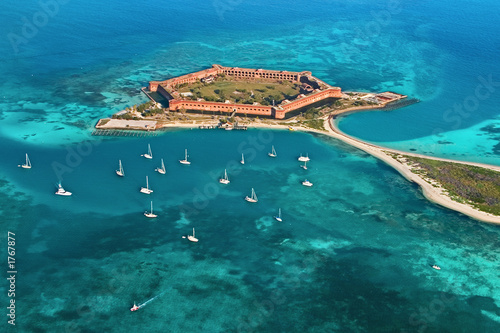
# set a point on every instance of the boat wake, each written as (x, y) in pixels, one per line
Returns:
(137, 307)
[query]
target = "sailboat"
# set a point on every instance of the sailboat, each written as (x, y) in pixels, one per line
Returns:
(185, 160)
(242, 159)
(62, 191)
(272, 153)
(252, 198)
(149, 154)
(192, 238)
(26, 165)
(278, 218)
(307, 183)
(161, 169)
(224, 180)
(120, 171)
(304, 158)
(304, 166)
(146, 190)
(150, 214)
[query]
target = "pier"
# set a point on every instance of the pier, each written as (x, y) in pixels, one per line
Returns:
(226, 126)
(400, 104)
(112, 132)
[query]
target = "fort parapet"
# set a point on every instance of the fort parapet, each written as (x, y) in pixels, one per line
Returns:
(317, 91)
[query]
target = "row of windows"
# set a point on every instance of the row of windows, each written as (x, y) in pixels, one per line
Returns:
(230, 108)
(281, 75)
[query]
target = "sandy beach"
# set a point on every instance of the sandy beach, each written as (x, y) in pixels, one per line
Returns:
(434, 194)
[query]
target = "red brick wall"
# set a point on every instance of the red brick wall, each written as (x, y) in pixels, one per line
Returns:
(315, 97)
(259, 110)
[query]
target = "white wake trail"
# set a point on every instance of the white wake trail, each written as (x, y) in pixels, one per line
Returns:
(150, 300)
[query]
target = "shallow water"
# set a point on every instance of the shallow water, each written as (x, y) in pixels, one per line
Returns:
(353, 250)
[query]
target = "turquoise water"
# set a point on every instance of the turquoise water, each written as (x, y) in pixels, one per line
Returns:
(347, 254)
(354, 251)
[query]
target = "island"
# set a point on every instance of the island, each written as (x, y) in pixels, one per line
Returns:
(237, 98)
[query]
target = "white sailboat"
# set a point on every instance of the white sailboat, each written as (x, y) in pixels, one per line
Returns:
(149, 154)
(304, 166)
(304, 158)
(120, 171)
(242, 159)
(307, 183)
(161, 169)
(224, 180)
(192, 238)
(272, 153)
(252, 198)
(27, 164)
(150, 214)
(278, 218)
(185, 160)
(62, 191)
(146, 190)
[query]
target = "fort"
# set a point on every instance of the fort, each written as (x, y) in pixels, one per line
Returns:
(309, 91)
(233, 92)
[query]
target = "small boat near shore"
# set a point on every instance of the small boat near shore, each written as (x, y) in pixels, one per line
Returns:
(304, 166)
(146, 190)
(273, 152)
(120, 171)
(224, 180)
(242, 159)
(304, 158)
(307, 183)
(61, 191)
(150, 214)
(192, 238)
(252, 197)
(27, 164)
(278, 218)
(185, 160)
(149, 154)
(161, 169)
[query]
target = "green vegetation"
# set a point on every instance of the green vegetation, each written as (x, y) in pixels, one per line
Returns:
(477, 186)
(315, 124)
(243, 92)
(312, 113)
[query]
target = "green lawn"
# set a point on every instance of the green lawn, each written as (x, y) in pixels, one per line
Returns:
(243, 92)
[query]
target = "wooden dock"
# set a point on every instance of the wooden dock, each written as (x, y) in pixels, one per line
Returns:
(112, 132)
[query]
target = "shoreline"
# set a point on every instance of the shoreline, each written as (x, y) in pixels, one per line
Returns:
(431, 193)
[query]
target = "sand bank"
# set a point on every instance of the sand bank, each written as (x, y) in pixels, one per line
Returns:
(434, 194)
